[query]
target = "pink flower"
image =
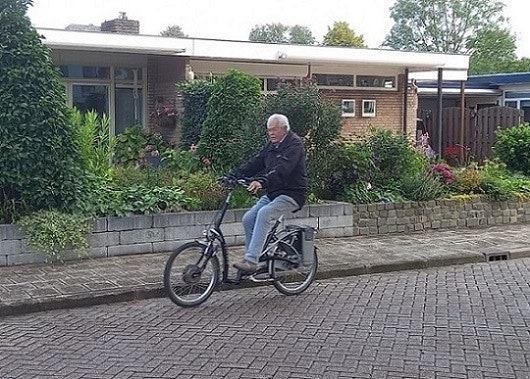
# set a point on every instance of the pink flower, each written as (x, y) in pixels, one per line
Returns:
(206, 162)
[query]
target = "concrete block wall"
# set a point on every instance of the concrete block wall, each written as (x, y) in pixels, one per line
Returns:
(113, 236)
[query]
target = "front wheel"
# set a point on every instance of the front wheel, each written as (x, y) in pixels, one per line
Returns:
(293, 280)
(190, 277)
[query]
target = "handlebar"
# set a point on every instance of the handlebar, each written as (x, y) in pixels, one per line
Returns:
(231, 181)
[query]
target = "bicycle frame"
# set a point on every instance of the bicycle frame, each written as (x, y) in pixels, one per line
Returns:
(214, 234)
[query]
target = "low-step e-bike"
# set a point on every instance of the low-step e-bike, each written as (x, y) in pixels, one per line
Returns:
(288, 260)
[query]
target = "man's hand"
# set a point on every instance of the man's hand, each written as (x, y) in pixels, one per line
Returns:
(254, 186)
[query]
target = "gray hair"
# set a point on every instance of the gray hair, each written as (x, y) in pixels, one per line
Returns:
(279, 119)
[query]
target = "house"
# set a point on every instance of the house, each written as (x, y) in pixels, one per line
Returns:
(124, 74)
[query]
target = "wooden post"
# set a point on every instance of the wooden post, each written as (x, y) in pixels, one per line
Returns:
(440, 78)
(462, 121)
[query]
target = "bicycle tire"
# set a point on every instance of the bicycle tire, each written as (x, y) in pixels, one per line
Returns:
(185, 283)
(293, 280)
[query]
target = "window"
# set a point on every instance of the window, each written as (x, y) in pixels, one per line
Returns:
(272, 84)
(91, 98)
(348, 108)
(375, 81)
(333, 80)
(85, 72)
(368, 108)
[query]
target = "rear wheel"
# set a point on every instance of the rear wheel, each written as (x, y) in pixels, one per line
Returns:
(293, 279)
(190, 277)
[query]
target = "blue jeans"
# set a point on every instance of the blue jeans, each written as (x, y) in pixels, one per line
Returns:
(259, 219)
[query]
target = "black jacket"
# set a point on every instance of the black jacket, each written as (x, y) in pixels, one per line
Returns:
(280, 169)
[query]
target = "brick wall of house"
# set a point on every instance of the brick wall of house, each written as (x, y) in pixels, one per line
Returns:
(163, 74)
(389, 114)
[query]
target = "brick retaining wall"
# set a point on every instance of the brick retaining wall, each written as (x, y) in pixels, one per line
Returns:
(113, 236)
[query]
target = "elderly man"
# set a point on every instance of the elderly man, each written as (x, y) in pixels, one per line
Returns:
(280, 169)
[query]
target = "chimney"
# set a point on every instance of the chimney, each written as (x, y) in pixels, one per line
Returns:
(121, 25)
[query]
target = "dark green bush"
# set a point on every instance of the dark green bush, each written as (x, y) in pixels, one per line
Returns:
(393, 157)
(195, 96)
(513, 148)
(39, 155)
(316, 120)
(226, 137)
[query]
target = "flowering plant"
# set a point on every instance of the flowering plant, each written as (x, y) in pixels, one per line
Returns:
(164, 115)
(443, 171)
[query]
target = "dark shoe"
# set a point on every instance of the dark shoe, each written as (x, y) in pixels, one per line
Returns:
(246, 267)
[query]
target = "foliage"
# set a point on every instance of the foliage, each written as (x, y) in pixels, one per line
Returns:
(133, 147)
(270, 33)
(108, 198)
(173, 31)
(493, 50)
(362, 192)
(340, 168)
(447, 26)
(342, 35)
(204, 188)
(95, 144)
(224, 139)
(54, 233)
(195, 95)
(422, 186)
(393, 157)
(279, 33)
(512, 147)
(181, 161)
(301, 35)
(469, 179)
(39, 156)
(443, 171)
(313, 118)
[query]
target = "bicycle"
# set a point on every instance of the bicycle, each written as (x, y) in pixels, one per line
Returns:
(289, 260)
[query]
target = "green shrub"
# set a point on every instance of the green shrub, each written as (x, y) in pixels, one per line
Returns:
(54, 233)
(134, 146)
(513, 148)
(203, 187)
(195, 96)
(393, 157)
(228, 127)
(40, 159)
(341, 166)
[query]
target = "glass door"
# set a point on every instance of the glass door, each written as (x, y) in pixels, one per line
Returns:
(128, 108)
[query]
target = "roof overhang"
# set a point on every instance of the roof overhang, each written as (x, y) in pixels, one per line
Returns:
(251, 51)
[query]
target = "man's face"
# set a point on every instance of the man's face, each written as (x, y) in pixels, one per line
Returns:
(276, 132)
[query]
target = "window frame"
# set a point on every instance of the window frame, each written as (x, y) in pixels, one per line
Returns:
(366, 111)
(344, 108)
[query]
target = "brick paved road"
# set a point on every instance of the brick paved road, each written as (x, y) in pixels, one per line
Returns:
(470, 321)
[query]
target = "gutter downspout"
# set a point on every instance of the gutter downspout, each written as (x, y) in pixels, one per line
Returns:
(462, 115)
(440, 78)
(405, 100)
